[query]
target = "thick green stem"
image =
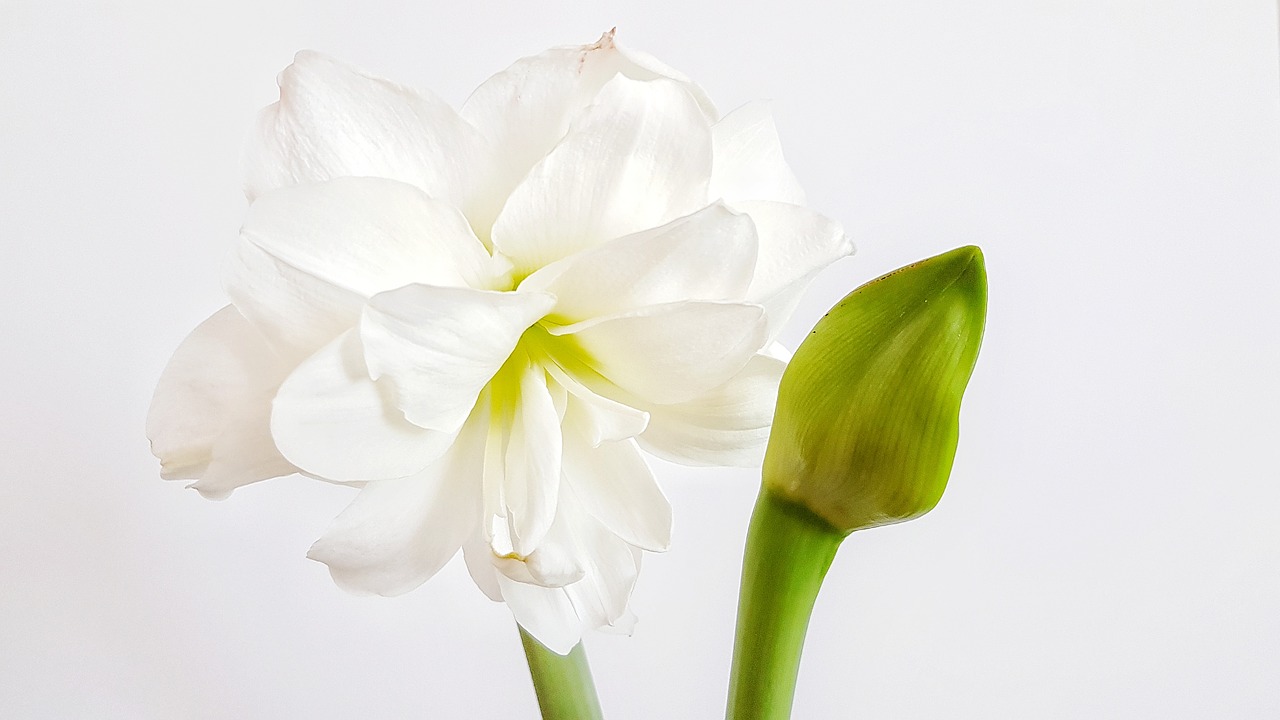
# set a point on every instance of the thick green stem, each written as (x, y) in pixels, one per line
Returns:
(788, 552)
(563, 682)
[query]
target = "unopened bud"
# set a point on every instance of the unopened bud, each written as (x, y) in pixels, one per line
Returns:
(868, 410)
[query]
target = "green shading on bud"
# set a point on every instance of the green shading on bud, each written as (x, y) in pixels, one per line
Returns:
(868, 409)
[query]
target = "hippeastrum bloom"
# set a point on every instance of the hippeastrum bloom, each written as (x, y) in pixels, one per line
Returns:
(478, 317)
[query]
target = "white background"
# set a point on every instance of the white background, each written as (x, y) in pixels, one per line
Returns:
(1108, 547)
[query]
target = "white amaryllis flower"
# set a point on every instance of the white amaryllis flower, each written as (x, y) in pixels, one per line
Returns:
(478, 317)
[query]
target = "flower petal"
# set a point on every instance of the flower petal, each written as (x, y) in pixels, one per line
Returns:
(525, 110)
(533, 463)
(727, 426)
(398, 533)
(615, 486)
(556, 562)
(310, 255)
(435, 348)
(546, 613)
(479, 559)
(333, 121)
(601, 597)
(709, 255)
(671, 353)
(748, 158)
(602, 418)
(329, 418)
(795, 244)
(209, 415)
(639, 157)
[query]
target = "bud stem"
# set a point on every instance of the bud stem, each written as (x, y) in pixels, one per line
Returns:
(562, 682)
(789, 550)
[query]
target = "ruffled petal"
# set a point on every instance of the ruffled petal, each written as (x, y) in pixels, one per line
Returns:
(671, 353)
(478, 556)
(310, 255)
(531, 485)
(709, 255)
(638, 158)
(209, 415)
(795, 244)
(436, 347)
(546, 613)
(329, 418)
(557, 560)
(525, 110)
(603, 419)
(601, 597)
(333, 121)
(748, 161)
(613, 484)
(398, 533)
(728, 426)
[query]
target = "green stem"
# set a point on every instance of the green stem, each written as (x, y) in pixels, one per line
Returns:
(562, 682)
(788, 552)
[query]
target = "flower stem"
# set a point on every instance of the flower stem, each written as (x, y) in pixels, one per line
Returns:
(789, 550)
(562, 682)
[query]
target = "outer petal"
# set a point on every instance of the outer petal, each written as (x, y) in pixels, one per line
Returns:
(209, 415)
(310, 255)
(437, 347)
(638, 158)
(709, 255)
(547, 613)
(533, 463)
(333, 121)
(601, 597)
(671, 353)
(748, 158)
(614, 485)
(330, 419)
(526, 109)
(398, 533)
(795, 244)
(726, 426)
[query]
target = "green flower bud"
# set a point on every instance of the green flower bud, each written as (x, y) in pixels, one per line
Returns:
(868, 410)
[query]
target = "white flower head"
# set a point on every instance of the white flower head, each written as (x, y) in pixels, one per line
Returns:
(478, 317)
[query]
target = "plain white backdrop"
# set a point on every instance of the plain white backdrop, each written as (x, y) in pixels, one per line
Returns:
(1108, 547)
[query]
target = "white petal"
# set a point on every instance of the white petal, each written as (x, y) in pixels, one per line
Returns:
(331, 419)
(209, 415)
(613, 484)
(605, 419)
(437, 347)
(640, 65)
(479, 560)
(310, 255)
(638, 158)
(727, 426)
(672, 353)
(557, 560)
(795, 244)
(333, 121)
(398, 533)
(709, 255)
(525, 110)
(601, 597)
(533, 463)
(748, 161)
(546, 613)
